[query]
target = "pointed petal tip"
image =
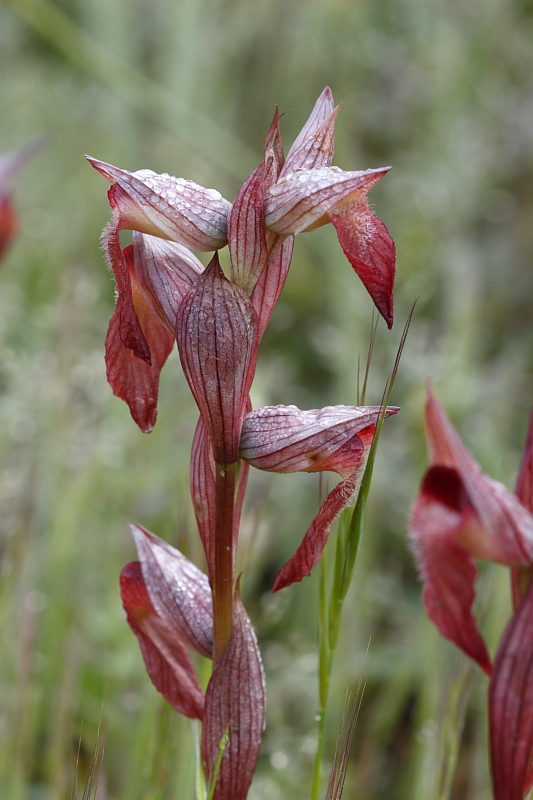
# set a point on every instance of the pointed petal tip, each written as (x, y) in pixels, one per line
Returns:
(391, 410)
(140, 534)
(107, 170)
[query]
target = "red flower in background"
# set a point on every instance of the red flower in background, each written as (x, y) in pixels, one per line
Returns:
(10, 166)
(462, 514)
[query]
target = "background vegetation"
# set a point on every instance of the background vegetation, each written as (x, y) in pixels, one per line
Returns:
(441, 90)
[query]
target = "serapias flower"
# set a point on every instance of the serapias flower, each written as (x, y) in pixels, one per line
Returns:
(310, 193)
(168, 215)
(462, 514)
(169, 608)
(332, 439)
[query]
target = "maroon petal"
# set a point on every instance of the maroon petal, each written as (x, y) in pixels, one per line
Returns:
(268, 288)
(505, 534)
(165, 206)
(511, 706)
(314, 145)
(441, 512)
(246, 232)
(370, 250)
(178, 590)
(309, 552)
(217, 341)
(300, 201)
(165, 655)
(165, 272)
(121, 263)
(132, 379)
(235, 704)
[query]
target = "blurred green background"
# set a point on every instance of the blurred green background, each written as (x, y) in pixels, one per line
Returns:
(440, 89)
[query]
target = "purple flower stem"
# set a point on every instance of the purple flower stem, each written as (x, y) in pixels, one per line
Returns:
(222, 578)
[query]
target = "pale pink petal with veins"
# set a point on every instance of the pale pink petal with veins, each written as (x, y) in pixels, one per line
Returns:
(165, 206)
(301, 200)
(313, 146)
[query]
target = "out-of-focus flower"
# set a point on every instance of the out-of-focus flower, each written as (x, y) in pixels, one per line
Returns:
(10, 166)
(462, 514)
(331, 439)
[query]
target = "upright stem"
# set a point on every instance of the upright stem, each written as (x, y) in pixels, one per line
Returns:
(222, 578)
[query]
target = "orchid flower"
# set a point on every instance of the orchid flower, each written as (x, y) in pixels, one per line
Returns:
(461, 514)
(310, 193)
(334, 439)
(168, 606)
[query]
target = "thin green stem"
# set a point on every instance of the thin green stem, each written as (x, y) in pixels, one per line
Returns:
(324, 671)
(222, 578)
(348, 541)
